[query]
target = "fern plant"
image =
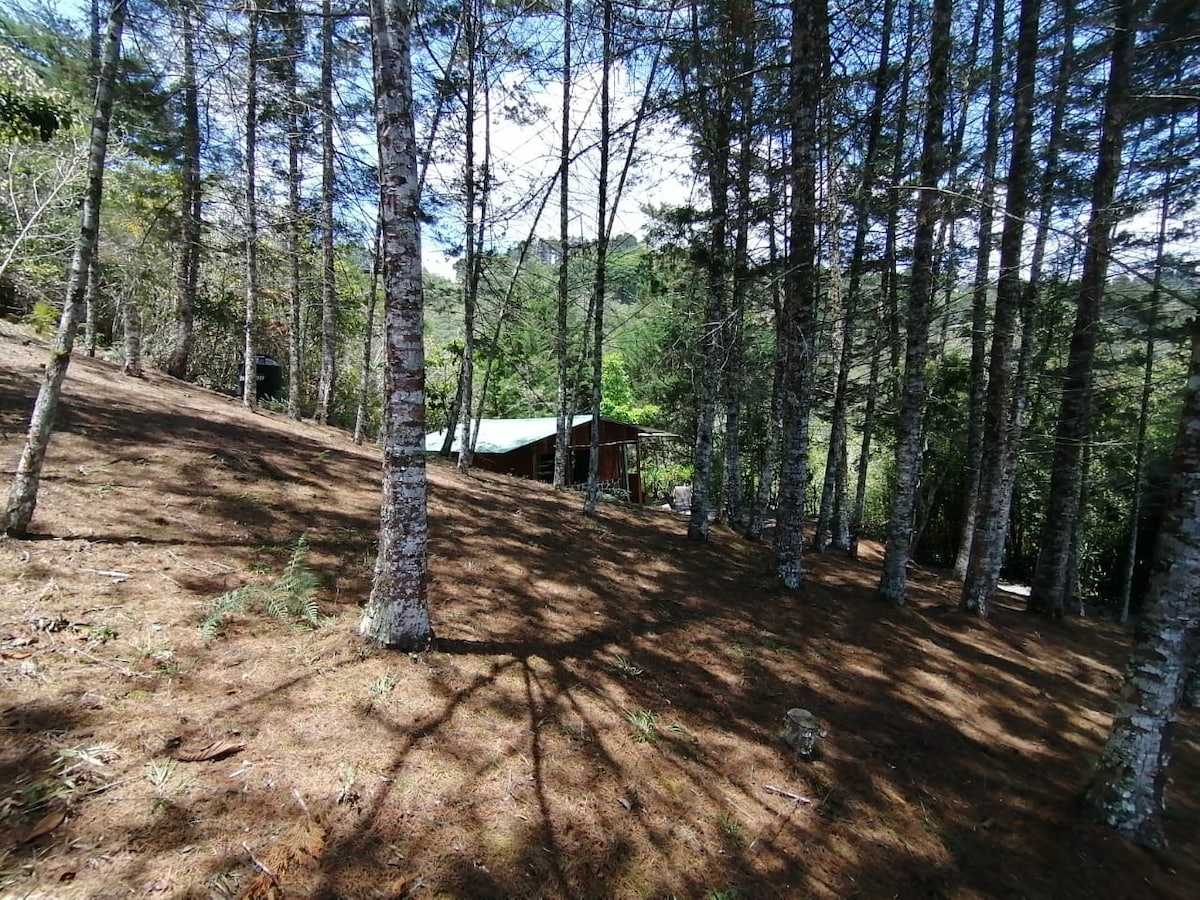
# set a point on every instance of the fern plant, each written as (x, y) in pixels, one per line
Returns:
(291, 598)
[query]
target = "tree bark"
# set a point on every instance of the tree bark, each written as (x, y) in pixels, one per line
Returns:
(797, 326)
(770, 456)
(1048, 593)
(714, 114)
(864, 451)
(187, 262)
(131, 322)
(891, 277)
(22, 497)
(1129, 569)
(91, 298)
(565, 406)
(732, 505)
(472, 228)
(364, 383)
(979, 297)
(295, 41)
(909, 431)
(591, 498)
(1126, 791)
(250, 350)
(327, 382)
(991, 523)
(397, 614)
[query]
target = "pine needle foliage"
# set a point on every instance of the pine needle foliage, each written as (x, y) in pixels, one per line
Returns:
(291, 598)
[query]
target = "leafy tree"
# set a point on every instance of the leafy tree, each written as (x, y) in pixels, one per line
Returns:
(28, 109)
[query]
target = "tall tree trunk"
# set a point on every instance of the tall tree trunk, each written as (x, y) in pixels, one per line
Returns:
(1126, 790)
(599, 286)
(22, 497)
(187, 262)
(715, 113)
(832, 485)
(1129, 568)
(770, 456)
(131, 323)
(991, 525)
(91, 298)
(327, 384)
(294, 30)
(797, 326)
(397, 613)
(471, 228)
(732, 505)
(891, 263)
(1029, 362)
(868, 433)
(565, 406)
(250, 350)
(888, 293)
(909, 431)
(1048, 593)
(979, 296)
(364, 383)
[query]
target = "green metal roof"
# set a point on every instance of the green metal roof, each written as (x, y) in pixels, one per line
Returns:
(504, 435)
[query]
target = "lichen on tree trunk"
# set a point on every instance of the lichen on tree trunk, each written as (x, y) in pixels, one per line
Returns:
(396, 614)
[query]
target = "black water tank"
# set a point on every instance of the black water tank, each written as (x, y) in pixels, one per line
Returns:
(270, 378)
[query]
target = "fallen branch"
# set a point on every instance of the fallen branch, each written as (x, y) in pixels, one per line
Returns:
(127, 672)
(184, 562)
(109, 573)
(782, 793)
(254, 859)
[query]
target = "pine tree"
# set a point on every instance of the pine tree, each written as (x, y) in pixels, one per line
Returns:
(397, 614)
(910, 430)
(1126, 791)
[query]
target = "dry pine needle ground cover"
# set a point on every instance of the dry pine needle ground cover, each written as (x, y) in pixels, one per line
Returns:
(599, 718)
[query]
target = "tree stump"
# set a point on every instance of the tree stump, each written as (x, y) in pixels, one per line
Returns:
(802, 732)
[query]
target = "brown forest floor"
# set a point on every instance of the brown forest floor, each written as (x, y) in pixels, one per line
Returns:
(504, 763)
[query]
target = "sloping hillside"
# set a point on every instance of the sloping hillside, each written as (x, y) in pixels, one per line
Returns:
(599, 718)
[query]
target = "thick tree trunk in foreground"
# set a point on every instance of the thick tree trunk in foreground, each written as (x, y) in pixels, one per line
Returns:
(1126, 791)
(22, 498)
(397, 614)
(1048, 595)
(909, 429)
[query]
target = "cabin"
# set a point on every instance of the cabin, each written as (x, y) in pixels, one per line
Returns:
(525, 448)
